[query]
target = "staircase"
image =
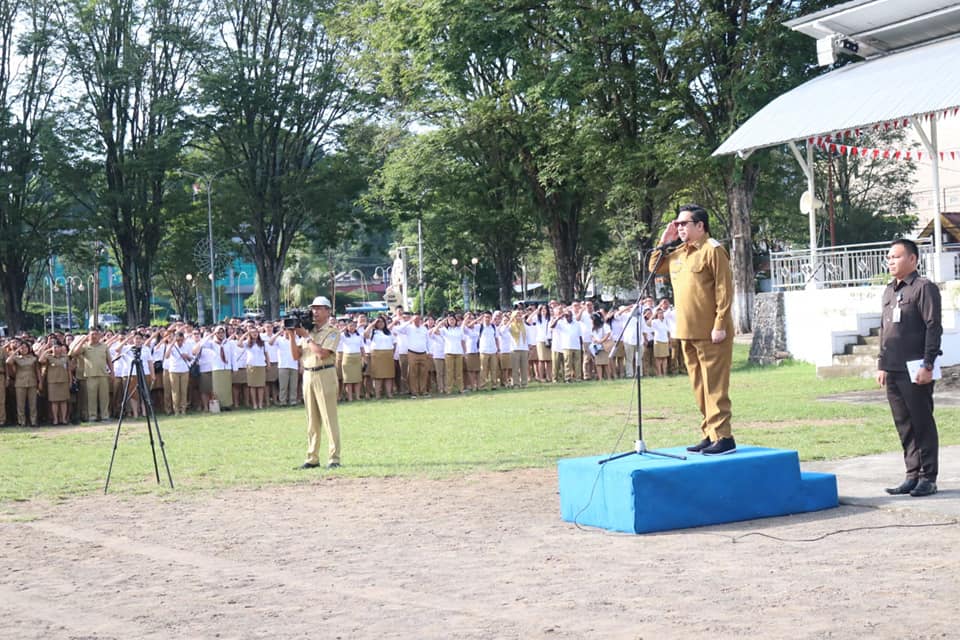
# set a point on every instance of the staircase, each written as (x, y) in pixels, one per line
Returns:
(858, 358)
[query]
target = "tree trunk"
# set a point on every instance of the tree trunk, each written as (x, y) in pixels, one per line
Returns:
(740, 189)
(13, 288)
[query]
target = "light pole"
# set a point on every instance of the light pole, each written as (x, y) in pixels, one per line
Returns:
(470, 303)
(208, 178)
(192, 281)
(473, 268)
(363, 283)
(242, 274)
(69, 282)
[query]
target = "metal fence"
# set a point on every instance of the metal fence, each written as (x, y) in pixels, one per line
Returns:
(847, 266)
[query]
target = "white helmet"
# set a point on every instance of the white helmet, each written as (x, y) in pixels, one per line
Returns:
(320, 301)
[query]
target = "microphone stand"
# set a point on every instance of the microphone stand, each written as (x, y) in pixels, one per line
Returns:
(640, 447)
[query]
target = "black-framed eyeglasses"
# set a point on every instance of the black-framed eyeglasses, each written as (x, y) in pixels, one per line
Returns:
(683, 223)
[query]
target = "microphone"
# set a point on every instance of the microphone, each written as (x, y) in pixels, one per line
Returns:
(669, 245)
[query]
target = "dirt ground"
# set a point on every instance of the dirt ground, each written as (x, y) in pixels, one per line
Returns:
(480, 556)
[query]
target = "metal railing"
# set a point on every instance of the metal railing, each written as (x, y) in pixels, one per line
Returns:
(851, 265)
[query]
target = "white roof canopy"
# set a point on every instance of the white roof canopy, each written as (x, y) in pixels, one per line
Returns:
(909, 83)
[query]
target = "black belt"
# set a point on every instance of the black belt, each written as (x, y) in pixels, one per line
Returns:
(419, 353)
(320, 368)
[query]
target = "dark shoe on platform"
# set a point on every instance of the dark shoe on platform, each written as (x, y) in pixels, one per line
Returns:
(924, 488)
(721, 447)
(700, 446)
(905, 487)
(308, 465)
(333, 465)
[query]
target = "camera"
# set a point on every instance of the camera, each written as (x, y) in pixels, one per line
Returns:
(297, 318)
(136, 352)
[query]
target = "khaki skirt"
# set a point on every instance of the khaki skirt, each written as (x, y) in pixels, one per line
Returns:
(273, 372)
(239, 376)
(351, 368)
(206, 382)
(256, 377)
(472, 362)
(543, 351)
(381, 363)
(603, 357)
(505, 361)
(221, 387)
(661, 349)
(58, 391)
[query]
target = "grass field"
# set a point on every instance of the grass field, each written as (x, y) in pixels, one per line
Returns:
(776, 407)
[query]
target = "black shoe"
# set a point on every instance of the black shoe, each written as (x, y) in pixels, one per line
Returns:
(721, 447)
(905, 487)
(308, 465)
(700, 446)
(924, 488)
(333, 465)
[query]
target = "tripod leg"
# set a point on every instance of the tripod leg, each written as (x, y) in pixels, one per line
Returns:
(152, 416)
(116, 437)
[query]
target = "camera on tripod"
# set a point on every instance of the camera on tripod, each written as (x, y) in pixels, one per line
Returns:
(136, 351)
(297, 318)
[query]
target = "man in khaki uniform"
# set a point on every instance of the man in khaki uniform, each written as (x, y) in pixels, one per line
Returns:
(98, 370)
(703, 285)
(317, 352)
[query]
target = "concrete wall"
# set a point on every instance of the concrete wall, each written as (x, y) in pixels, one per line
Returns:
(820, 322)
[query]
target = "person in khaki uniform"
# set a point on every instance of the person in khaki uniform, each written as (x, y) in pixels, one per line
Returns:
(25, 370)
(318, 356)
(3, 388)
(98, 370)
(703, 285)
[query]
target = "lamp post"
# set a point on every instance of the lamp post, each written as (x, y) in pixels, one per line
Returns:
(363, 283)
(237, 276)
(473, 268)
(69, 282)
(208, 178)
(192, 281)
(469, 302)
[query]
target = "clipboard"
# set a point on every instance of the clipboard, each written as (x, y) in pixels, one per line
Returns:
(913, 368)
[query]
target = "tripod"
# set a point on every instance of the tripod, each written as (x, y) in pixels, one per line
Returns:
(144, 392)
(640, 446)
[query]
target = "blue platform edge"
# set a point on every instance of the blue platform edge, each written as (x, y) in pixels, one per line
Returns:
(647, 493)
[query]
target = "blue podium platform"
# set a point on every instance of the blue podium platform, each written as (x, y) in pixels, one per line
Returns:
(646, 493)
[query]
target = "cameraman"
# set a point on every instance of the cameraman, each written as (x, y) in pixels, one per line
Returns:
(317, 349)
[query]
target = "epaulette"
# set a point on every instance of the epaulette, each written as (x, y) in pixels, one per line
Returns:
(714, 242)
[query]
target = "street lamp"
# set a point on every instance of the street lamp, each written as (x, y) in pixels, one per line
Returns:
(208, 178)
(473, 290)
(191, 281)
(242, 274)
(363, 283)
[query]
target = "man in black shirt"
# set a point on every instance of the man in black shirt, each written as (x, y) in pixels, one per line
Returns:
(910, 329)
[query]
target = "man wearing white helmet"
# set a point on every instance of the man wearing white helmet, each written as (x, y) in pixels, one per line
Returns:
(317, 350)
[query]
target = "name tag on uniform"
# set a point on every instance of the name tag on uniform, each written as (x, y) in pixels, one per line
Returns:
(896, 314)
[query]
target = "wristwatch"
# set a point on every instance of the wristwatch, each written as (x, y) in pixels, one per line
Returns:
(928, 366)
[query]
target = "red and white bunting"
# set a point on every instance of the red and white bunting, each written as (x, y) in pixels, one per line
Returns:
(877, 154)
(900, 123)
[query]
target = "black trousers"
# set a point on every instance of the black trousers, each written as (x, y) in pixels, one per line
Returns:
(912, 408)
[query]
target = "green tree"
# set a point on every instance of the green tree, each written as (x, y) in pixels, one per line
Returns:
(276, 89)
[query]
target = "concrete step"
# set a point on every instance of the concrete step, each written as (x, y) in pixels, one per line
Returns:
(872, 339)
(856, 360)
(847, 371)
(864, 349)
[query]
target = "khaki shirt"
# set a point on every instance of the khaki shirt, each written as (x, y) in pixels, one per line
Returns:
(26, 371)
(702, 288)
(326, 338)
(94, 359)
(57, 371)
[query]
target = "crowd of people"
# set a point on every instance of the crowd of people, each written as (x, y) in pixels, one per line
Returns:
(62, 378)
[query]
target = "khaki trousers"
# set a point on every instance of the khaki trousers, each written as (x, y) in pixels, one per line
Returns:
(489, 365)
(556, 355)
(320, 400)
(572, 364)
(630, 358)
(520, 362)
(167, 392)
(288, 385)
(440, 368)
(98, 392)
(454, 373)
(708, 366)
(418, 374)
(180, 391)
(26, 397)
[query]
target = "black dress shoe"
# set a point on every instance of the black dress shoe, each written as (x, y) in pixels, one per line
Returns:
(905, 487)
(333, 465)
(721, 447)
(924, 488)
(700, 446)
(308, 465)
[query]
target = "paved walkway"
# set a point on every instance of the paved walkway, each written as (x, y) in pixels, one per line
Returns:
(861, 482)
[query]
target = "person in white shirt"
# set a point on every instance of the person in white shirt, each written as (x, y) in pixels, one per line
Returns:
(439, 360)
(471, 356)
(257, 360)
(675, 363)
(207, 354)
(544, 358)
(287, 369)
(273, 358)
(489, 348)
(416, 337)
(661, 342)
(381, 360)
(618, 357)
(238, 367)
(453, 349)
(599, 345)
(520, 353)
(351, 346)
(502, 320)
(632, 339)
(570, 341)
(649, 366)
(177, 360)
(556, 343)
